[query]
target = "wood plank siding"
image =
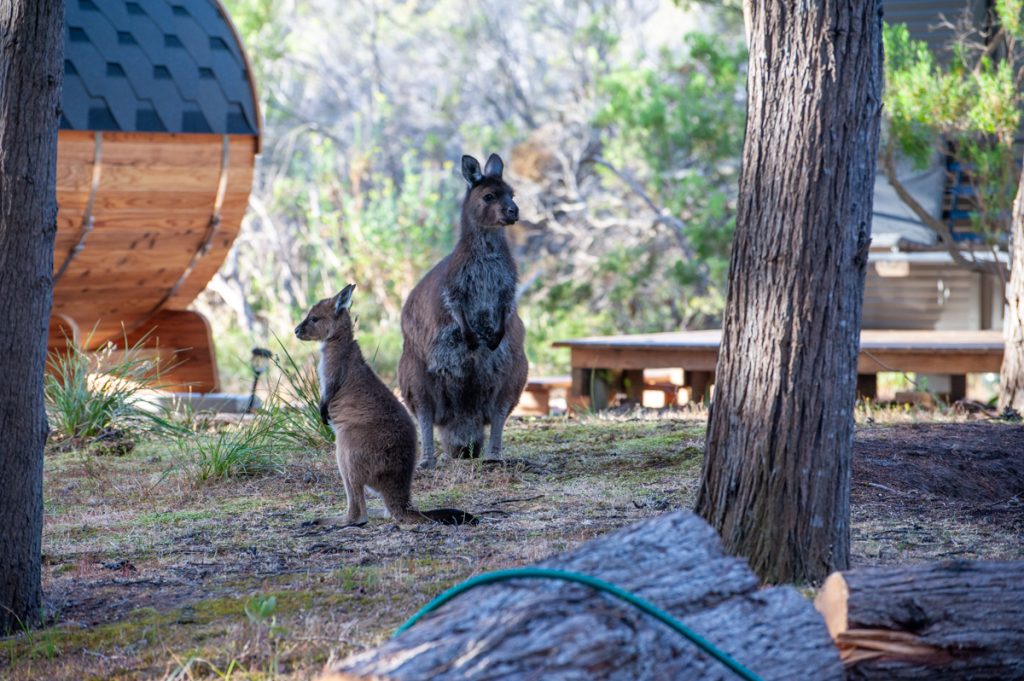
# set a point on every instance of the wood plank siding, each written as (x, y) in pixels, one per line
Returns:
(150, 214)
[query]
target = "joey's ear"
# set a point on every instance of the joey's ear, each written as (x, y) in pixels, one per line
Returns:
(471, 170)
(494, 167)
(343, 300)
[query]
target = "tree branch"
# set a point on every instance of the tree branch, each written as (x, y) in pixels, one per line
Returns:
(933, 223)
(662, 216)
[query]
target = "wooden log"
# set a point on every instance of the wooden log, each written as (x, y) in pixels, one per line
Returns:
(539, 629)
(950, 620)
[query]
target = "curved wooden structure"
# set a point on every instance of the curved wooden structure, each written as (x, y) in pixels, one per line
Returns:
(158, 139)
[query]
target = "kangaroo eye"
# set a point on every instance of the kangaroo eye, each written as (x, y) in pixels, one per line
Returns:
(314, 319)
(488, 197)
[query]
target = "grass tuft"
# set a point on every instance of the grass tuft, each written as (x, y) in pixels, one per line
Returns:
(91, 396)
(298, 402)
(250, 448)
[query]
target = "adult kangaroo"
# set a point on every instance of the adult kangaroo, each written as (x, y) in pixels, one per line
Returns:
(463, 365)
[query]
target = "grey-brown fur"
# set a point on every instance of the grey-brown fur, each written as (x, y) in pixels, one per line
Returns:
(375, 439)
(463, 365)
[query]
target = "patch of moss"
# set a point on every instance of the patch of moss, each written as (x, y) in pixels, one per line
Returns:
(55, 641)
(662, 443)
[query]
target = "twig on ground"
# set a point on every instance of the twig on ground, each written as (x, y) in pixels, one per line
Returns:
(494, 511)
(513, 500)
(886, 488)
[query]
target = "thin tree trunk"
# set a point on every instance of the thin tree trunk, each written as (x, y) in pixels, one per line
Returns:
(31, 68)
(1011, 375)
(776, 479)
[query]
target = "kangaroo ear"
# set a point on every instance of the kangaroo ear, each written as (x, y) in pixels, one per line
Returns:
(471, 170)
(494, 166)
(343, 300)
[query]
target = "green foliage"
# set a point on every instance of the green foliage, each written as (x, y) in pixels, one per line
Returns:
(1011, 13)
(679, 128)
(258, 24)
(684, 116)
(83, 403)
(380, 231)
(970, 109)
(908, 97)
(394, 231)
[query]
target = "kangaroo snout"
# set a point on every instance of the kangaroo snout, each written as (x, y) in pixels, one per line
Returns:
(511, 213)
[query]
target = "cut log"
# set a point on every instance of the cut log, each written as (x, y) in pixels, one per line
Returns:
(539, 629)
(950, 620)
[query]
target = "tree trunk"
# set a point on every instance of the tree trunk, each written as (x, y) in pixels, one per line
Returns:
(540, 629)
(31, 68)
(776, 478)
(952, 620)
(1011, 374)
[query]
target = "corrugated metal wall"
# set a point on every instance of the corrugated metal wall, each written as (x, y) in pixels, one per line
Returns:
(923, 18)
(929, 296)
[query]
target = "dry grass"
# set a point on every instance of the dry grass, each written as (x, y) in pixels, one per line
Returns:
(149, 575)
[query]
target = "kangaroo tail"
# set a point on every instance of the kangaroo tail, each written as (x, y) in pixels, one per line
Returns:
(404, 512)
(451, 516)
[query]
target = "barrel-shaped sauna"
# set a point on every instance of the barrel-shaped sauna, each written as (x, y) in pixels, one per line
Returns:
(158, 138)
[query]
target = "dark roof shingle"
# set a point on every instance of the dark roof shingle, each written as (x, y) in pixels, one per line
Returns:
(162, 65)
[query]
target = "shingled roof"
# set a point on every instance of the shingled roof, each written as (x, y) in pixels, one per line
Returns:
(155, 66)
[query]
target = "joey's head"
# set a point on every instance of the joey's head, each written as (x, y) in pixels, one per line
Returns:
(329, 318)
(489, 200)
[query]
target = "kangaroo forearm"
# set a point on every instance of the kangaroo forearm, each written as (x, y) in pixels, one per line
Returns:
(499, 334)
(468, 334)
(327, 392)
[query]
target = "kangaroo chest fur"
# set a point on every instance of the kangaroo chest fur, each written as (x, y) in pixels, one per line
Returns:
(480, 289)
(483, 289)
(321, 370)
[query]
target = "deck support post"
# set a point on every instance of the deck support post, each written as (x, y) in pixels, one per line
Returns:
(867, 386)
(699, 383)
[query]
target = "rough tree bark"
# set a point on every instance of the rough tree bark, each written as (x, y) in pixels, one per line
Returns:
(776, 479)
(1011, 374)
(31, 68)
(533, 629)
(951, 620)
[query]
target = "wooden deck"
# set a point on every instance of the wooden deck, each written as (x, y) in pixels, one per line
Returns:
(603, 364)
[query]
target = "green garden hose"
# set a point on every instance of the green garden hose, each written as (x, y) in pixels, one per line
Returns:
(594, 583)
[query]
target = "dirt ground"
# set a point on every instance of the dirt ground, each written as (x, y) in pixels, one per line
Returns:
(149, 575)
(929, 491)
